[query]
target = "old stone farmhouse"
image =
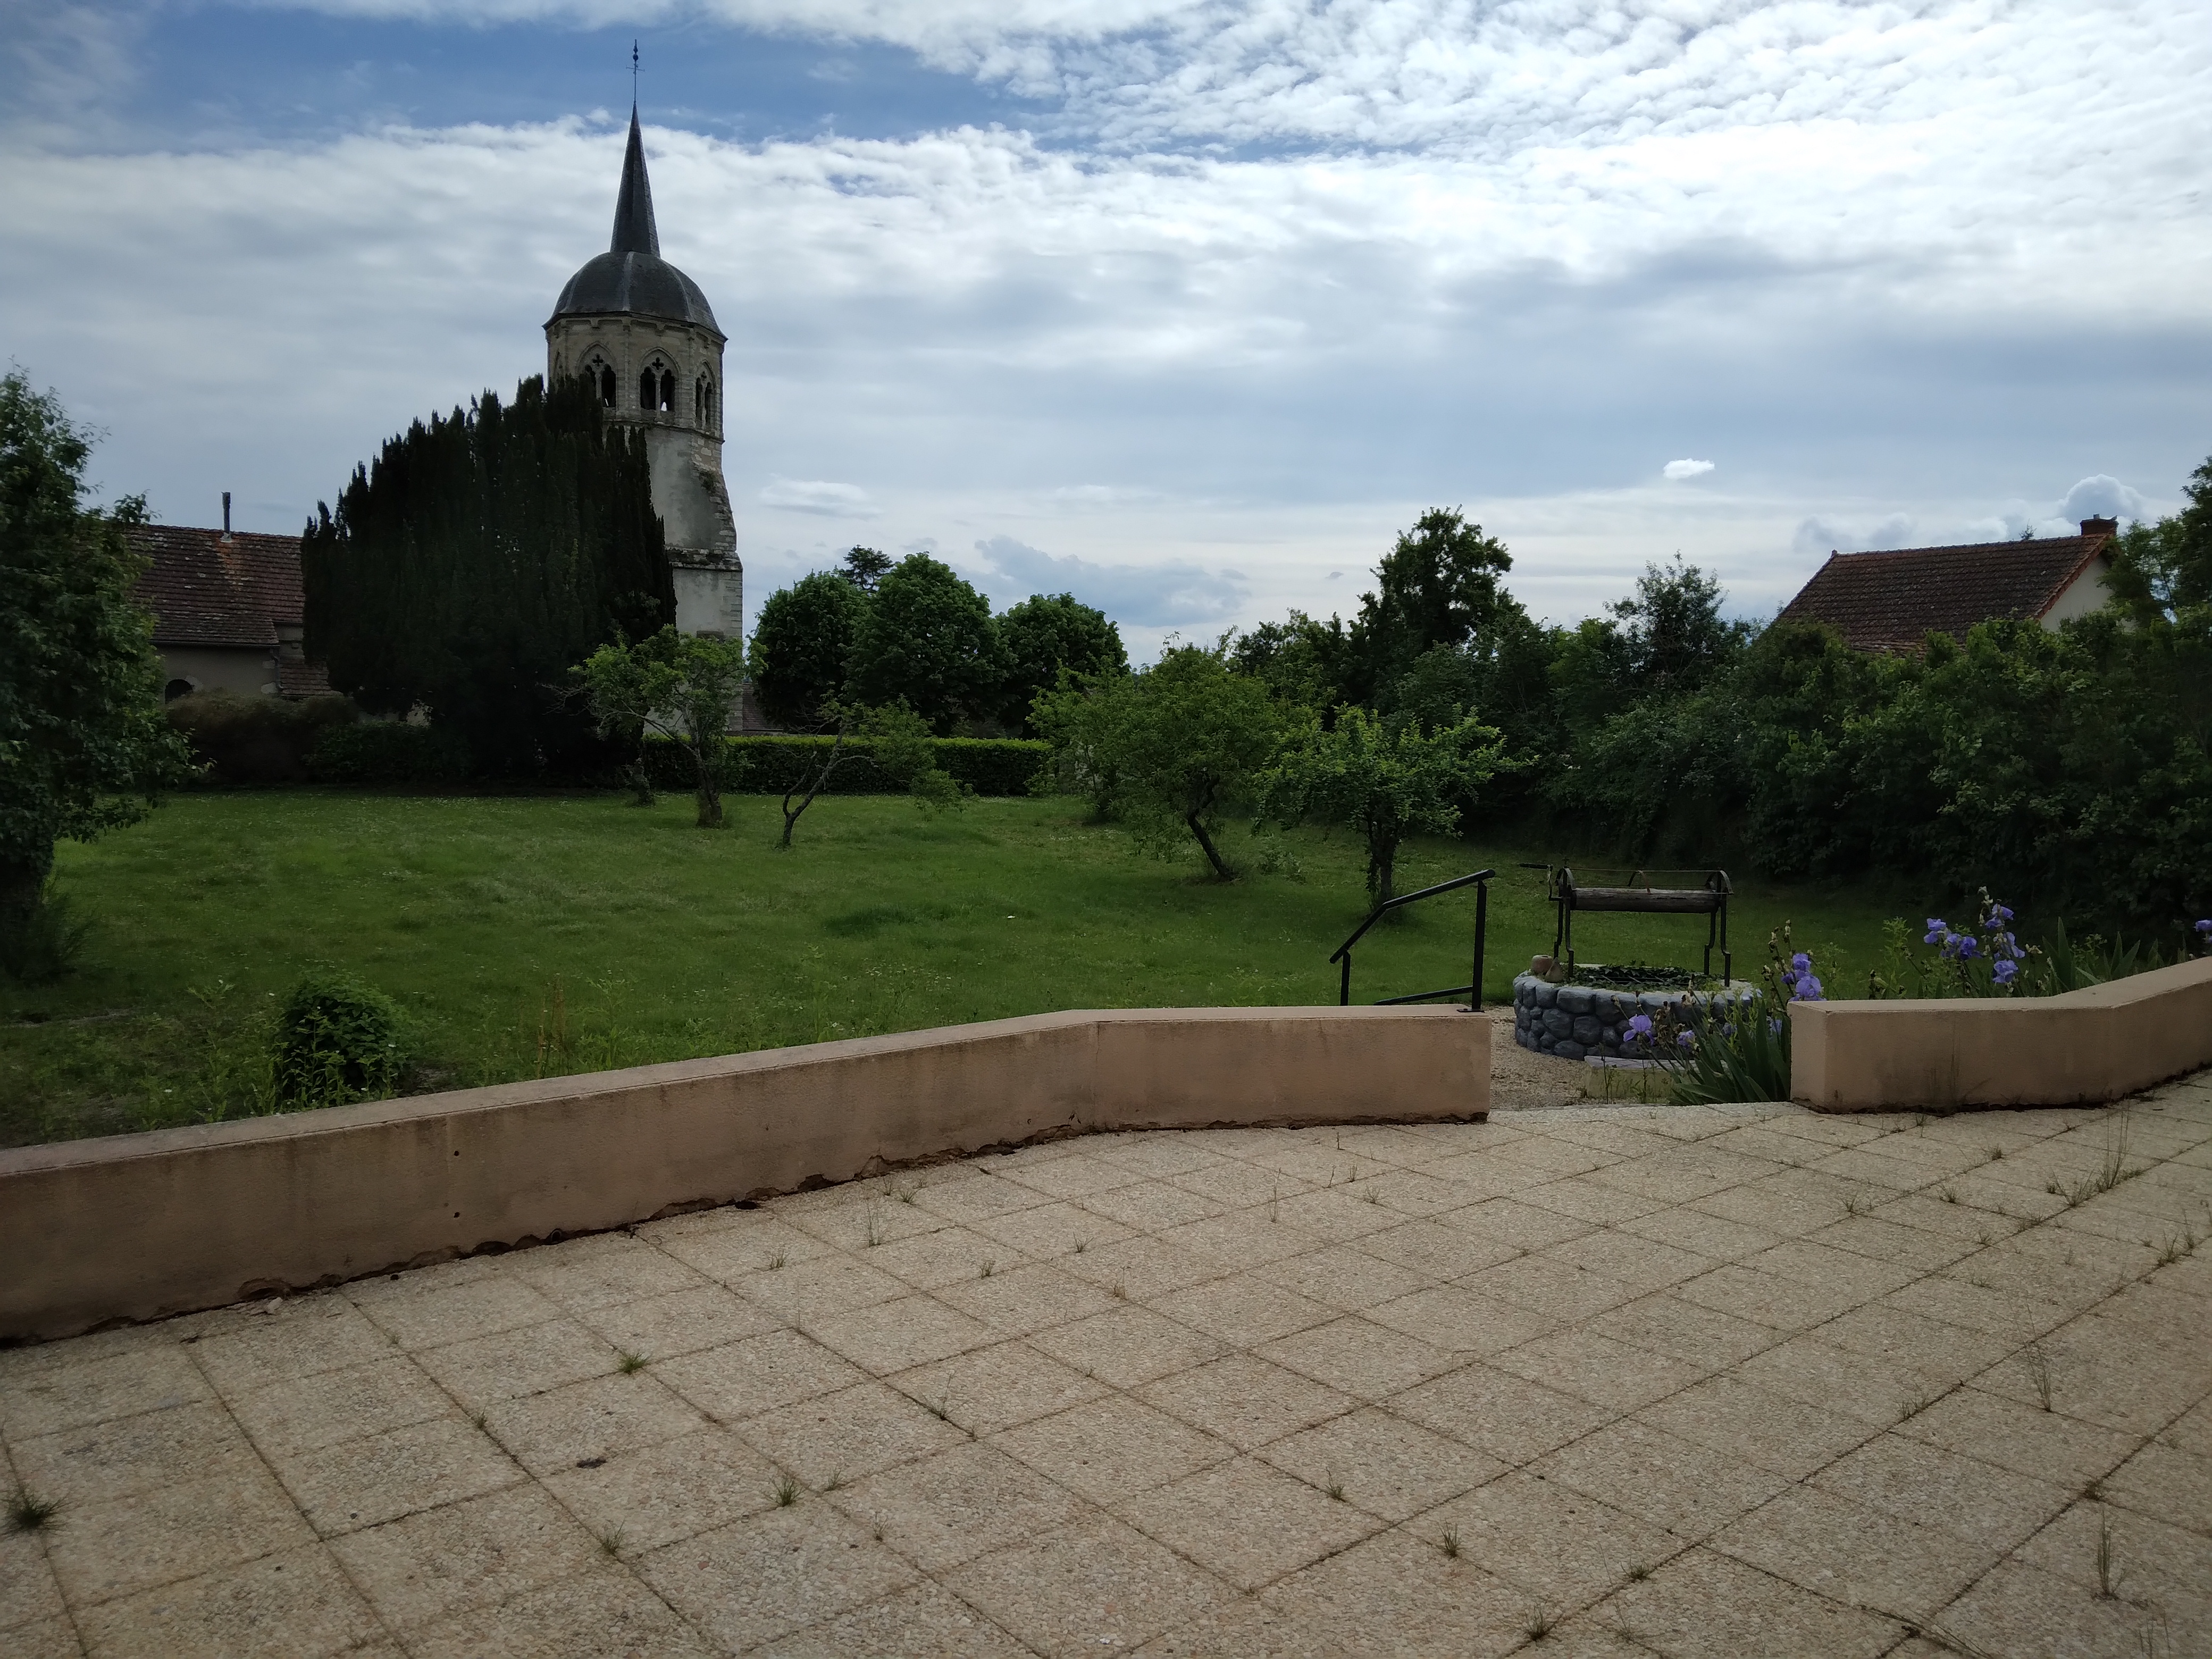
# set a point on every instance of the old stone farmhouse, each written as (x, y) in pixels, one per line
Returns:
(227, 611)
(1891, 601)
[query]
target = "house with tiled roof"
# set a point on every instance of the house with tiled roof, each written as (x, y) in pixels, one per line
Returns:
(1891, 601)
(228, 610)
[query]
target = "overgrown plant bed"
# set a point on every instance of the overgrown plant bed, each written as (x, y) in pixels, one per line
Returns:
(1579, 1022)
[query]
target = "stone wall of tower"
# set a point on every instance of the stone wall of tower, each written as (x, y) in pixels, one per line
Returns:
(684, 446)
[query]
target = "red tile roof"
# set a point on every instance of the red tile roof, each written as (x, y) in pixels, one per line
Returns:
(207, 589)
(1889, 601)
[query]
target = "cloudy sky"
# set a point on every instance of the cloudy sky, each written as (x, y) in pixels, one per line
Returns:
(1186, 308)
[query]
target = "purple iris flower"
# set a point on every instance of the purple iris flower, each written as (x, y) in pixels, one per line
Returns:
(1801, 963)
(1999, 912)
(1684, 1039)
(1969, 947)
(1937, 930)
(2205, 927)
(2006, 971)
(1640, 1026)
(1808, 988)
(1774, 1026)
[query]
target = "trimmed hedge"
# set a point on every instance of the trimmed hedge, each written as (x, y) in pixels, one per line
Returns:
(771, 765)
(256, 740)
(388, 752)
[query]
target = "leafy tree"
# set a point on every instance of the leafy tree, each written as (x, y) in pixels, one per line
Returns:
(679, 685)
(2162, 572)
(1438, 586)
(1305, 663)
(899, 746)
(478, 558)
(1676, 637)
(1185, 741)
(864, 567)
(1385, 779)
(928, 638)
(803, 641)
(84, 746)
(1045, 637)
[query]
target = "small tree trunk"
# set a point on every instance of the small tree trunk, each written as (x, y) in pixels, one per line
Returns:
(710, 790)
(1205, 845)
(790, 812)
(22, 884)
(1382, 869)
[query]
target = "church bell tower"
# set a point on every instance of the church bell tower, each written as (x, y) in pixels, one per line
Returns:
(640, 333)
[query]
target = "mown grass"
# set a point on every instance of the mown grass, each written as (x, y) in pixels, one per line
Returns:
(533, 936)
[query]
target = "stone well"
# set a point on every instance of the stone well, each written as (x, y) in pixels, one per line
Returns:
(1574, 1022)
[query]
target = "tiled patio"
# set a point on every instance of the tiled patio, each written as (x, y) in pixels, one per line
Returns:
(1611, 1381)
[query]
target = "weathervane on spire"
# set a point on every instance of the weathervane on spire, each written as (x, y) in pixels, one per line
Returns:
(633, 74)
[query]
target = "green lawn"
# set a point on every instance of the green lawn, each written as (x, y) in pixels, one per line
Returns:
(538, 935)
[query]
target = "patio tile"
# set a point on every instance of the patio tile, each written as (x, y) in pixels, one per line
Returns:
(1126, 1347)
(2119, 1376)
(955, 1504)
(295, 1605)
(1440, 1248)
(1386, 1464)
(731, 1253)
(1599, 1204)
(849, 1434)
(1247, 1521)
(948, 1255)
(743, 1379)
(1877, 1392)
(816, 1287)
(99, 1461)
(869, 1217)
(48, 1639)
(1561, 1291)
(1562, 1546)
(306, 1335)
(449, 1305)
(2045, 1446)
(681, 1322)
(2013, 1319)
(1938, 1488)
(1704, 1606)
(993, 1389)
(1665, 1324)
(1074, 1178)
(1768, 1430)
(1507, 1416)
(971, 1197)
(1026, 1299)
(1855, 1555)
(1525, 1226)
(380, 1477)
(1141, 1267)
(169, 1532)
(1108, 1448)
(1152, 1206)
(28, 1590)
(1603, 1371)
(67, 1396)
(2145, 1560)
(1158, 1153)
(773, 1573)
(527, 1360)
(2167, 1484)
(1047, 1231)
(1359, 1357)
(605, 1613)
(1395, 1593)
(1462, 1321)
(893, 1336)
(602, 1270)
(1245, 1400)
(674, 1489)
(2019, 1609)
(922, 1622)
(1765, 1298)
(297, 1417)
(1333, 1215)
(1711, 1236)
(596, 1418)
(1242, 1312)
(1097, 1584)
(1345, 1279)
(1644, 1472)
(444, 1561)
(1237, 1241)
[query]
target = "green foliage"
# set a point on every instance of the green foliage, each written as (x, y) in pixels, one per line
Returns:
(1304, 663)
(336, 1040)
(1387, 779)
(478, 557)
(864, 567)
(1438, 586)
(802, 648)
(771, 765)
(374, 752)
(1045, 637)
(902, 749)
(679, 686)
(256, 740)
(929, 638)
(1170, 750)
(45, 943)
(1738, 1050)
(83, 748)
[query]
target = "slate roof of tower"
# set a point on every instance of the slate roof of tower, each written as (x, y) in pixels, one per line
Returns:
(208, 589)
(631, 278)
(1890, 601)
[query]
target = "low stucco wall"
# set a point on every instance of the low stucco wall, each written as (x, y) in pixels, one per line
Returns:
(137, 1227)
(2094, 1045)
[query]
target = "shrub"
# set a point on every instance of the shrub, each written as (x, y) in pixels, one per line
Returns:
(38, 945)
(387, 752)
(336, 1040)
(257, 740)
(1734, 1050)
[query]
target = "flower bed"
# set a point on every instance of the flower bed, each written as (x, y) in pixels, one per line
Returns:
(1576, 1022)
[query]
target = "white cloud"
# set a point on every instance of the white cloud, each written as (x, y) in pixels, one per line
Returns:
(1821, 537)
(1172, 594)
(1681, 470)
(2102, 496)
(832, 500)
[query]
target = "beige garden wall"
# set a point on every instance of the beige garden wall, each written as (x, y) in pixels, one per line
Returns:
(2094, 1045)
(137, 1226)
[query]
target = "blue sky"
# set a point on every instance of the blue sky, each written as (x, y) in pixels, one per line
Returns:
(1186, 307)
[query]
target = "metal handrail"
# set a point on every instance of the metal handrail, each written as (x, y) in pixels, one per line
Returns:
(1474, 992)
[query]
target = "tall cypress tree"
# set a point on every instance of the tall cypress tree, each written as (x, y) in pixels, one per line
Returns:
(477, 557)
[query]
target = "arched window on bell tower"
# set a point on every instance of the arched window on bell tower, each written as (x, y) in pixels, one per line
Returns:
(601, 379)
(656, 387)
(702, 403)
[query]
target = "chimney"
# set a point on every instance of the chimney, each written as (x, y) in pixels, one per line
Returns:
(2100, 526)
(225, 517)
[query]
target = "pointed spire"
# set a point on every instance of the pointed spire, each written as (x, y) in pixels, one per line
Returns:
(635, 232)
